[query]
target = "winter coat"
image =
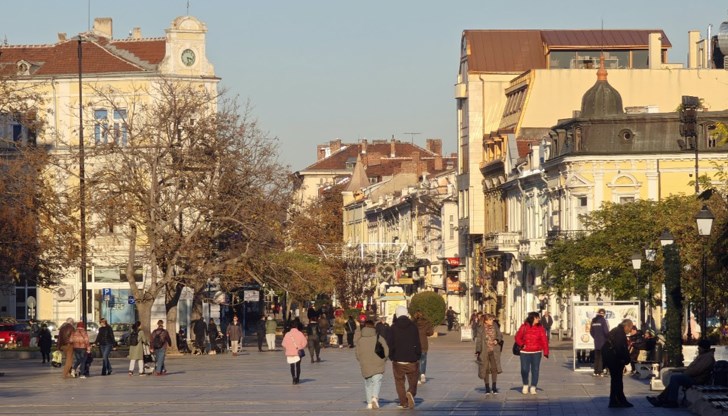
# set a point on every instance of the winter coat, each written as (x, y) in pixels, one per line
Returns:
(701, 368)
(271, 326)
(234, 331)
(614, 350)
(64, 334)
(212, 331)
(425, 329)
(482, 341)
(339, 325)
(547, 322)
(164, 335)
(45, 340)
(369, 361)
(350, 326)
(105, 336)
(293, 341)
(260, 327)
(136, 352)
(404, 341)
(532, 339)
(79, 339)
(599, 330)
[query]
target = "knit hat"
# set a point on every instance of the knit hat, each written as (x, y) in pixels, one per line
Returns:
(79, 325)
(401, 311)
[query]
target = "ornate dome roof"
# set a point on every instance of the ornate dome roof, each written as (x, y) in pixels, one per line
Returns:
(601, 99)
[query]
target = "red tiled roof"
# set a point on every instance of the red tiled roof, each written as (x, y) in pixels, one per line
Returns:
(521, 50)
(62, 58)
(375, 152)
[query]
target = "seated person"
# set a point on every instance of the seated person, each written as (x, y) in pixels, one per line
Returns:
(634, 341)
(182, 342)
(698, 372)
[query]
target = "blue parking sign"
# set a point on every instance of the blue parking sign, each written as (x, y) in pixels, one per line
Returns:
(106, 291)
(131, 300)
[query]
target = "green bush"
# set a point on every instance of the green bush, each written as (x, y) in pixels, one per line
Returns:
(353, 312)
(431, 304)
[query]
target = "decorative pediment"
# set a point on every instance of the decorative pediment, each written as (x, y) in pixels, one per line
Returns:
(624, 180)
(577, 181)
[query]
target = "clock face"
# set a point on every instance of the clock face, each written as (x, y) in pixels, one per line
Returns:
(188, 57)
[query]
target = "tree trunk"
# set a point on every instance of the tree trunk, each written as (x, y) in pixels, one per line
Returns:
(172, 293)
(144, 309)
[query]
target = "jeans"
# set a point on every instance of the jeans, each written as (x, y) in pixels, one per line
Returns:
(106, 363)
(372, 385)
(672, 391)
(79, 359)
(159, 354)
(530, 362)
(423, 363)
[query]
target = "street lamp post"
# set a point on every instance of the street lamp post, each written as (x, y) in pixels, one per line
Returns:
(650, 255)
(704, 219)
(636, 265)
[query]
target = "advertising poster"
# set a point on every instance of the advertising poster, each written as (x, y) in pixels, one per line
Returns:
(585, 311)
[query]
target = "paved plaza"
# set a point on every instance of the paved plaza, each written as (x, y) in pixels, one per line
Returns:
(260, 383)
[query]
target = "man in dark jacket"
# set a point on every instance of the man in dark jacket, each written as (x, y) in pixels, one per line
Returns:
(65, 345)
(199, 328)
(405, 351)
(106, 342)
(616, 356)
(698, 372)
(599, 330)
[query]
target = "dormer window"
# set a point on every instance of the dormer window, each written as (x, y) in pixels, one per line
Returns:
(23, 68)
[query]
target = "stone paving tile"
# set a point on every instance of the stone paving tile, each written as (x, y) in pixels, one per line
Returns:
(257, 383)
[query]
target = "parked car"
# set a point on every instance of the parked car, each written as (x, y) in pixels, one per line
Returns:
(14, 335)
(121, 332)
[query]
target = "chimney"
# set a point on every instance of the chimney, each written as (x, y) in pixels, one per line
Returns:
(61, 37)
(103, 27)
(655, 50)
(416, 162)
(321, 152)
(392, 148)
(335, 145)
(694, 58)
(136, 33)
(435, 146)
(438, 163)
(364, 146)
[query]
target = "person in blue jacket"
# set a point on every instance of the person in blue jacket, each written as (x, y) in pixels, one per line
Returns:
(599, 330)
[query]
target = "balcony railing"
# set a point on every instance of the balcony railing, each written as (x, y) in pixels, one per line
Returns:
(503, 242)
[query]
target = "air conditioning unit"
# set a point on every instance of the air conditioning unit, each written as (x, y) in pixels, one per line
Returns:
(436, 269)
(65, 293)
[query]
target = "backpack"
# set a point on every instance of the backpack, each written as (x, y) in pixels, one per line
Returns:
(158, 340)
(134, 338)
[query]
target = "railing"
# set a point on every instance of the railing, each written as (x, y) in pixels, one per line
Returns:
(501, 242)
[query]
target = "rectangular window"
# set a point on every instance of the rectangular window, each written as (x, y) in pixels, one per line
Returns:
(640, 59)
(106, 275)
(101, 126)
(120, 134)
(626, 199)
(583, 201)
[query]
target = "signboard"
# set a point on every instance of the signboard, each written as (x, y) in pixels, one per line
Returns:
(131, 300)
(582, 315)
(453, 261)
(251, 296)
(453, 285)
(106, 291)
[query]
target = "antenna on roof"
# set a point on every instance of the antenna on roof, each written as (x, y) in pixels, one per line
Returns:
(5, 40)
(188, 7)
(412, 136)
(88, 17)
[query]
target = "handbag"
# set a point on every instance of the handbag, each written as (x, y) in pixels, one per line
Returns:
(379, 349)
(301, 353)
(516, 349)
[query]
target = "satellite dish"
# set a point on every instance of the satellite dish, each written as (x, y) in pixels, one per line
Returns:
(61, 292)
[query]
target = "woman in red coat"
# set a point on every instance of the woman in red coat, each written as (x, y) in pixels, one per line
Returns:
(531, 337)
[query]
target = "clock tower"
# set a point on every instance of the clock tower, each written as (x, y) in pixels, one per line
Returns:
(185, 49)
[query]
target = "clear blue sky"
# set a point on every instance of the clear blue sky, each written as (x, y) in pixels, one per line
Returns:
(319, 70)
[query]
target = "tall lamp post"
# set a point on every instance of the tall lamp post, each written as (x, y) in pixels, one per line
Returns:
(82, 183)
(636, 265)
(704, 218)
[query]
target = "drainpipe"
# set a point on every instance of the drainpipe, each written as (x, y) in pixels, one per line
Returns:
(708, 48)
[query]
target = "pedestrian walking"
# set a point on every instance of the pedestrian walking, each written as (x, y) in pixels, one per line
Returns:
(547, 322)
(106, 342)
(488, 346)
(532, 339)
(65, 345)
(323, 327)
(137, 340)
(160, 342)
(199, 328)
(424, 329)
(475, 320)
(260, 332)
(350, 328)
(45, 340)
(294, 344)
(271, 326)
(314, 341)
(405, 351)
(616, 356)
(340, 329)
(234, 333)
(599, 330)
(382, 327)
(212, 333)
(371, 364)
(81, 348)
